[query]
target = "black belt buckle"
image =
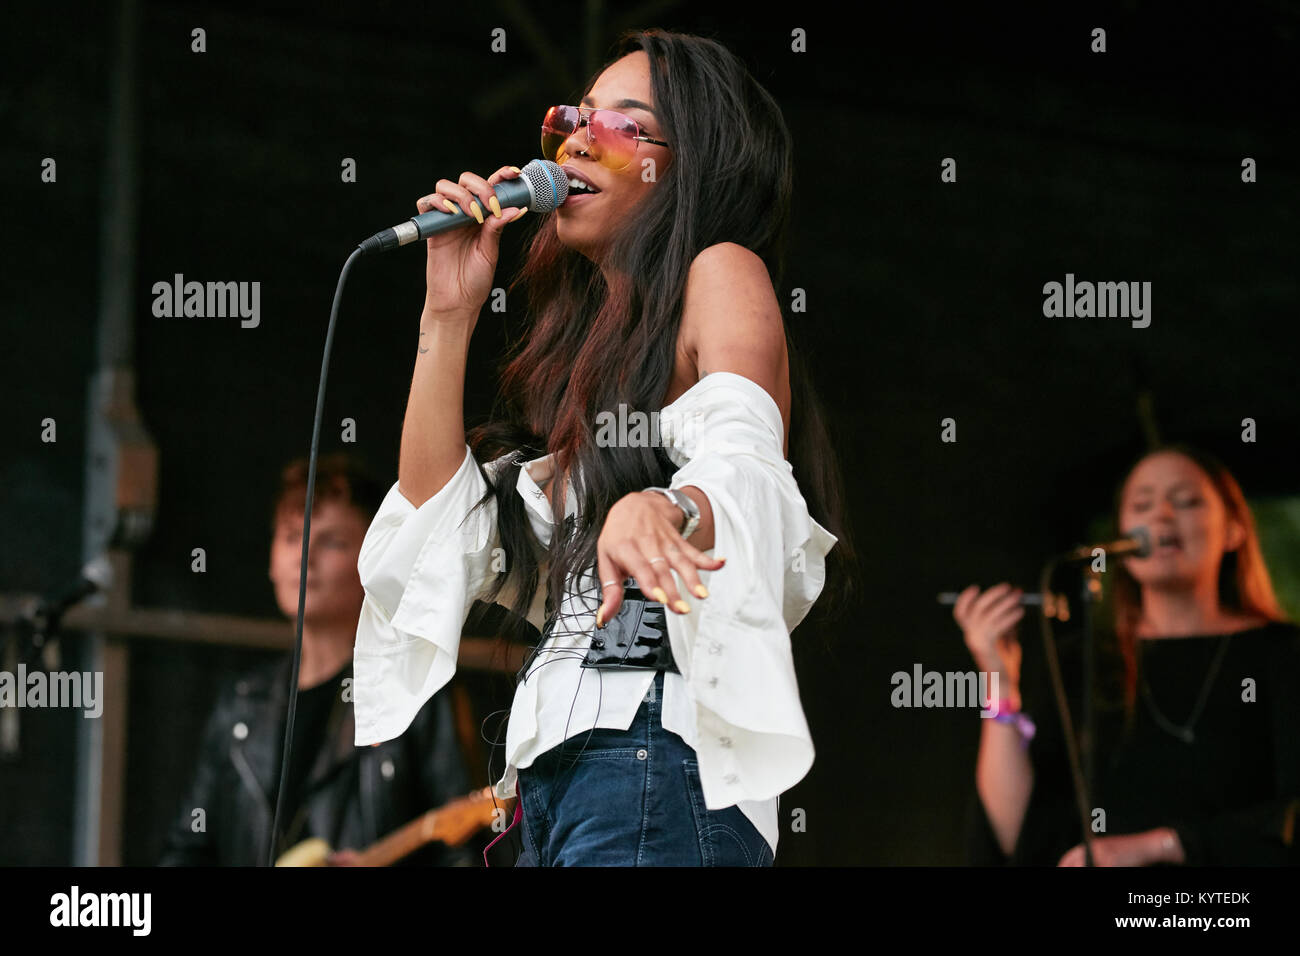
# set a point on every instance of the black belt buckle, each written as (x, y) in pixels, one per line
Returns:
(637, 637)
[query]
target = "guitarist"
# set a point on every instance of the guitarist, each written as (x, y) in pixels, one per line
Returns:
(348, 796)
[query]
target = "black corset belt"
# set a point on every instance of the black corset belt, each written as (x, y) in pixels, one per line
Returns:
(636, 637)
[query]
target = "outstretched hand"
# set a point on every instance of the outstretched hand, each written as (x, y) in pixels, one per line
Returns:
(641, 539)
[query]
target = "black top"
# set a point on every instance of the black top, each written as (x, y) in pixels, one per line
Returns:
(1230, 787)
(310, 724)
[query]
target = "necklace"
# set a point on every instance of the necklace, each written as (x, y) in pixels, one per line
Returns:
(1184, 731)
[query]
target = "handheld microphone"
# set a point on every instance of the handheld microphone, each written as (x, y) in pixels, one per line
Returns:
(541, 187)
(1137, 543)
(1028, 599)
(1053, 605)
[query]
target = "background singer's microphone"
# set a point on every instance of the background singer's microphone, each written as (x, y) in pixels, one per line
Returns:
(1137, 542)
(541, 187)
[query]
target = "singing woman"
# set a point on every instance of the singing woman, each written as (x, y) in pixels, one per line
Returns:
(1198, 729)
(665, 564)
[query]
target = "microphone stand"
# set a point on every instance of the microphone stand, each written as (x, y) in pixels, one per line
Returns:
(1082, 782)
(1135, 541)
(1089, 596)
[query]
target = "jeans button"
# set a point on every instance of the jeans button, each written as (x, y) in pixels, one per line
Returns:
(641, 754)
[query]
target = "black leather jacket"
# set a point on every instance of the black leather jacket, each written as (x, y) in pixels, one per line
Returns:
(353, 795)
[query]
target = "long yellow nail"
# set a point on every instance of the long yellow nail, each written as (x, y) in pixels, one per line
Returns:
(519, 214)
(516, 169)
(660, 595)
(683, 607)
(496, 206)
(451, 207)
(701, 591)
(478, 213)
(600, 616)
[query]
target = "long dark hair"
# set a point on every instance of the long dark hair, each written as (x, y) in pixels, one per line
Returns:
(1244, 584)
(592, 344)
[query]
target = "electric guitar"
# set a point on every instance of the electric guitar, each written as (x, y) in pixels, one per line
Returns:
(453, 825)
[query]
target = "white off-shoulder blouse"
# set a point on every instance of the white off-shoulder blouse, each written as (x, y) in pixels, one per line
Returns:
(736, 701)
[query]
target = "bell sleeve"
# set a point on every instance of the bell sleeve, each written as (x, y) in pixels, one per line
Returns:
(422, 569)
(752, 738)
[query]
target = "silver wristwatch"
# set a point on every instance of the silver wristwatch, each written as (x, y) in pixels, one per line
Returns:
(683, 501)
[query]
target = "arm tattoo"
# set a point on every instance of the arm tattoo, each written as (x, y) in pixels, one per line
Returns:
(422, 348)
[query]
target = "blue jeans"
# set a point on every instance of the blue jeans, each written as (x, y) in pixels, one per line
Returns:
(629, 798)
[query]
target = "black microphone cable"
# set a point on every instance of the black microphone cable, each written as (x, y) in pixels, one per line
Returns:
(306, 534)
(541, 186)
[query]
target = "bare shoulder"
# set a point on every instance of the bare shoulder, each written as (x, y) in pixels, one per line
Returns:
(729, 295)
(731, 320)
(725, 278)
(727, 255)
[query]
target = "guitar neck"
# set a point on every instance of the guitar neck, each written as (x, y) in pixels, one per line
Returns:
(452, 823)
(402, 841)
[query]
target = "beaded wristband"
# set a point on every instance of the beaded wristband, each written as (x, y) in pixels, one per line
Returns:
(1004, 714)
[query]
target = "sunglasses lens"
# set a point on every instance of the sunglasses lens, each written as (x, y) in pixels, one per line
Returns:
(557, 126)
(614, 136)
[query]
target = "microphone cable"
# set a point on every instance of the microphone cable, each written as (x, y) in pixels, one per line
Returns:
(302, 575)
(536, 175)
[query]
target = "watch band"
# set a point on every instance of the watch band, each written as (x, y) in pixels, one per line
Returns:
(687, 506)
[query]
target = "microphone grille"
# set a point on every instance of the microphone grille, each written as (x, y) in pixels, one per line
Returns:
(1143, 537)
(550, 187)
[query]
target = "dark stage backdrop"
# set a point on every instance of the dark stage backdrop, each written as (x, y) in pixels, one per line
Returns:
(924, 303)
